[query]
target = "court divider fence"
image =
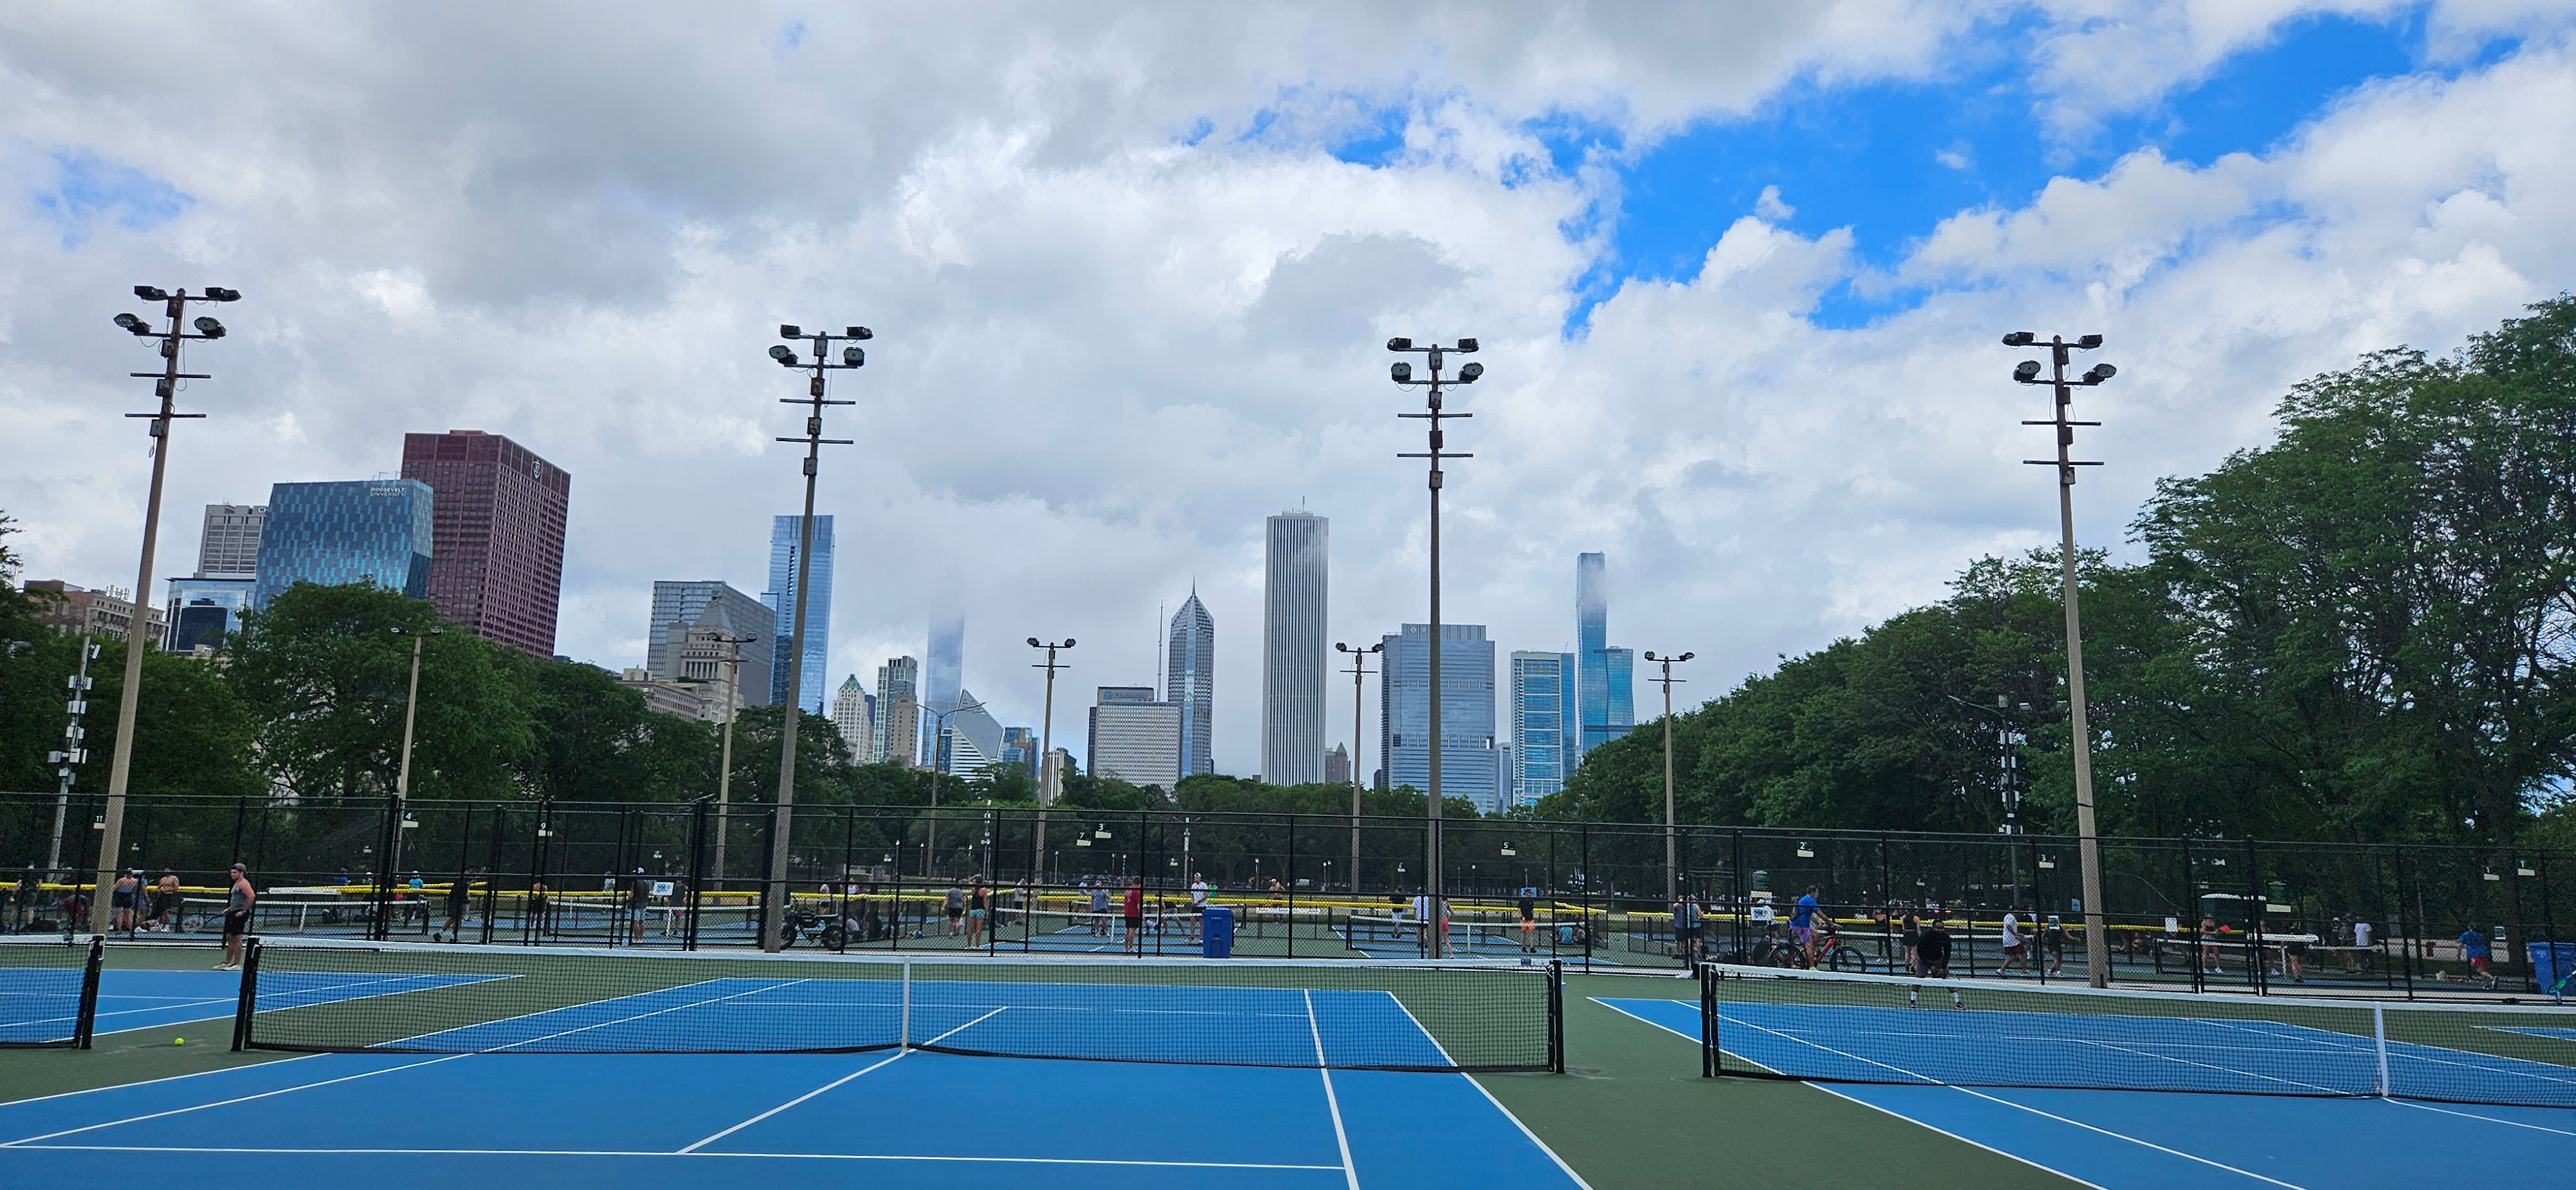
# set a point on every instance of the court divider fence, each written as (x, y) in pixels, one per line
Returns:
(2211, 914)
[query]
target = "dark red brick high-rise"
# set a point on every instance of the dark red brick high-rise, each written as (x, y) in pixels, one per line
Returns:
(496, 534)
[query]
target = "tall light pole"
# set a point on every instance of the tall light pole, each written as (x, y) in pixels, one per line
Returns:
(938, 731)
(724, 756)
(70, 757)
(165, 385)
(1359, 670)
(2097, 953)
(1672, 852)
(1046, 755)
(411, 709)
(1402, 373)
(773, 898)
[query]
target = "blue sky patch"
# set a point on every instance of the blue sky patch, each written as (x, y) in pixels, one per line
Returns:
(87, 189)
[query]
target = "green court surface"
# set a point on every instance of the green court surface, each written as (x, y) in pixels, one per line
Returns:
(1632, 1110)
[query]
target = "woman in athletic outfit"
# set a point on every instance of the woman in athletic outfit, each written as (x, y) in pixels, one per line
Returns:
(237, 905)
(122, 897)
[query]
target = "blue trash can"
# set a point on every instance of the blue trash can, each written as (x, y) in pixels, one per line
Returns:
(1216, 932)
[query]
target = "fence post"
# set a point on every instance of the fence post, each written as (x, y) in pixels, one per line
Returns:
(2258, 968)
(1292, 884)
(1583, 838)
(849, 829)
(2191, 901)
(1743, 892)
(697, 872)
(385, 836)
(492, 870)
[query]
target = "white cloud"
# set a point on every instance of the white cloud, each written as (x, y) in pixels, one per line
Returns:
(1107, 348)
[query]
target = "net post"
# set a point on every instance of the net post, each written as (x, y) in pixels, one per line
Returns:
(248, 1002)
(87, 1018)
(1708, 1063)
(1555, 1016)
(2379, 1046)
(903, 1038)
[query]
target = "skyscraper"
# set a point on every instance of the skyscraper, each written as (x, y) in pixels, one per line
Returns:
(854, 715)
(898, 711)
(1293, 652)
(229, 544)
(943, 674)
(1604, 699)
(680, 606)
(1189, 682)
(498, 567)
(972, 740)
(334, 533)
(1469, 764)
(1135, 737)
(784, 533)
(1542, 694)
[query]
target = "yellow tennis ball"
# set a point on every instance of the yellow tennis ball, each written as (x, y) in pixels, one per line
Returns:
(178, 1041)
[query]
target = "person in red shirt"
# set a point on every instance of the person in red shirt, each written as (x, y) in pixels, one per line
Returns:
(1134, 911)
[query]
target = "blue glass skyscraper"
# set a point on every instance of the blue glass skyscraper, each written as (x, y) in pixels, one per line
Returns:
(1542, 702)
(1605, 690)
(1469, 764)
(346, 532)
(781, 597)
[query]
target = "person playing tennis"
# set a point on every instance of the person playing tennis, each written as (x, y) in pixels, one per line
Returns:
(2016, 943)
(237, 906)
(1132, 912)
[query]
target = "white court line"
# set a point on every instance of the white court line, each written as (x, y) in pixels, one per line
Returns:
(899, 1053)
(1332, 1102)
(2022, 1106)
(652, 1153)
(1443, 1051)
(29, 1141)
(2470, 1115)
(1974, 1144)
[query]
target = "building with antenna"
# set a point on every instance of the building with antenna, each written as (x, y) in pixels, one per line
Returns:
(1189, 683)
(1293, 650)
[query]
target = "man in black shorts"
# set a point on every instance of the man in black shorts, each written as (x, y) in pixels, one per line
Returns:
(1932, 953)
(237, 907)
(458, 892)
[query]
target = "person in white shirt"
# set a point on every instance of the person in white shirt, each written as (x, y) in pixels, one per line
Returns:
(2015, 945)
(1198, 903)
(2352, 959)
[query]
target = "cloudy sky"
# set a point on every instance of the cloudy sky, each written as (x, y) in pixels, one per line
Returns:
(1738, 270)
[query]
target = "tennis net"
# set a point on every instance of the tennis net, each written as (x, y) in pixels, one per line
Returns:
(49, 990)
(316, 994)
(1767, 1022)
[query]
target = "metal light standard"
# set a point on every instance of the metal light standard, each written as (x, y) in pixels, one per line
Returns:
(69, 758)
(773, 899)
(166, 386)
(1046, 755)
(1402, 373)
(1359, 670)
(938, 732)
(411, 708)
(1672, 853)
(724, 757)
(2097, 953)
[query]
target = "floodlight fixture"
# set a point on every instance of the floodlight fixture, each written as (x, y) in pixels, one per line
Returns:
(857, 332)
(1033, 642)
(217, 293)
(852, 357)
(1399, 344)
(2020, 339)
(785, 357)
(1467, 345)
(210, 328)
(2089, 342)
(1468, 374)
(2027, 371)
(2100, 373)
(789, 330)
(133, 324)
(150, 294)
(1400, 372)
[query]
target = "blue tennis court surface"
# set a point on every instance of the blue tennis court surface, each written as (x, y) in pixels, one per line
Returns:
(129, 999)
(2154, 1140)
(903, 1119)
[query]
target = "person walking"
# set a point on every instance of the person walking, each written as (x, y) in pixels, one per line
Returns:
(979, 906)
(1100, 910)
(1528, 907)
(2015, 943)
(1198, 905)
(459, 891)
(1132, 912)
(166, 901)
(2473, 948)
(1802, 923)
(639, 905)
(121, 898)
(2052, 938)
(954, 905)
(237, 907)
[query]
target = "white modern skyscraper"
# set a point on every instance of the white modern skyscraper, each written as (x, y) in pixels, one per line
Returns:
(230, 543)
(1135, 737)
(1189, 682)
(898, 725)
(1293, 651)
(854, 713)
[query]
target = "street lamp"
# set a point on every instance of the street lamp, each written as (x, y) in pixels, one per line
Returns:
(1402, 373)
(1046, 754)
(724, 757)
(773, 899)
(174, 305)
(1672, 853)
(2097, 954)
(1359, 670)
